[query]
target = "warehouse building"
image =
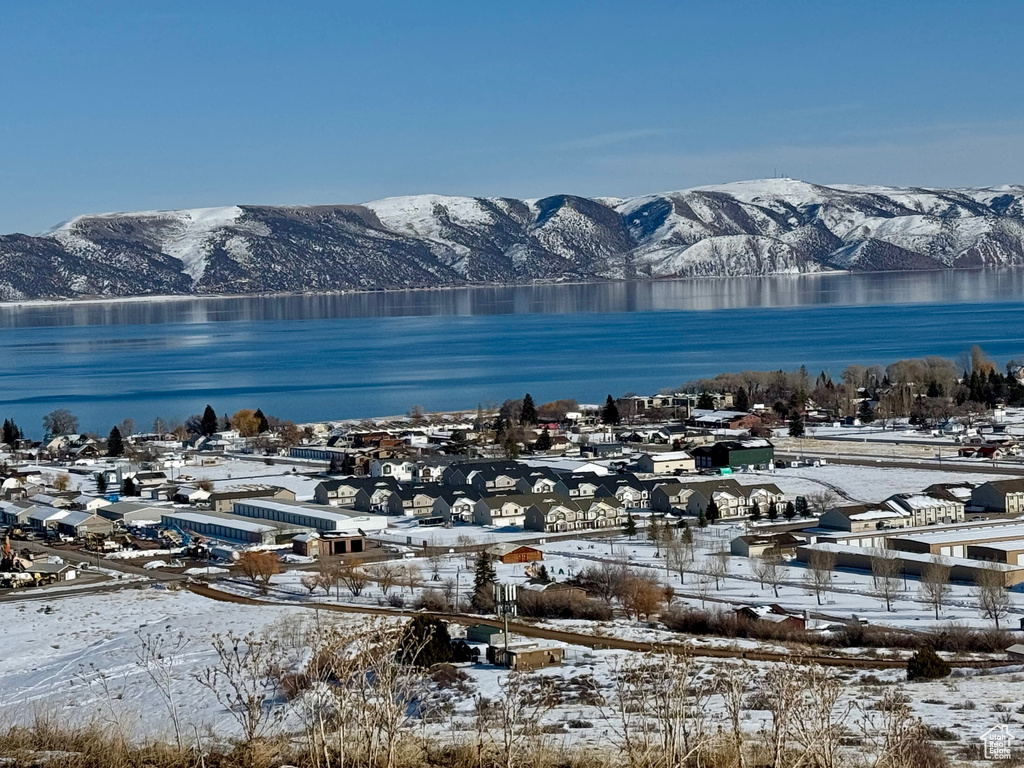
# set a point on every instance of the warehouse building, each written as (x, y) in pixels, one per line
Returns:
(314, 516)
(913, 564)
(214, 526)
(735, 453)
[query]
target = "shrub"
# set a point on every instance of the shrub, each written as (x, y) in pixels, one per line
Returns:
(927, 665)
(426, 642)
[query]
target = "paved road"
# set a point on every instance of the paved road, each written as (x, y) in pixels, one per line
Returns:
(906, 463)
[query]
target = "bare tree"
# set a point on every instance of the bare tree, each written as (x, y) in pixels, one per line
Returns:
(935, 587)
(643, 596)
(523, 703)
(820, 565)
(385, 574)
(821, 501)
(990, 592)
(718, 567)
(678, 556)
(774, 572)
(156, 655)
(732, 683)
(259, 566)
(412, 576)
(885, 576)
(243, 681)
(660, 709)
(702, 585)
(310, 582)
(353, 578)
(330, 576)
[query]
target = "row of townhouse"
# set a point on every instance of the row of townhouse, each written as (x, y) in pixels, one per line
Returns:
(731, 498)
(902, 510)
(549, 512)
(388, 496)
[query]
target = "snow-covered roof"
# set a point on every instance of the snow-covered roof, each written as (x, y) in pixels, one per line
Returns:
(201, 519)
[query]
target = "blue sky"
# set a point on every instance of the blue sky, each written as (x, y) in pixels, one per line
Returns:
(117, 105)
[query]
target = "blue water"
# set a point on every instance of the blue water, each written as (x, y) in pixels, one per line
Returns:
(322, 357)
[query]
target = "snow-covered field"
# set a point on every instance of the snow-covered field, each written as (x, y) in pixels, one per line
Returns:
(78, 661)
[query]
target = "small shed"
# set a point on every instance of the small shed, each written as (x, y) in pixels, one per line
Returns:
(1016, 651)
(529, 656)
(485, 633)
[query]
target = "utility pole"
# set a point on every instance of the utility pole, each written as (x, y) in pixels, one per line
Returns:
(505, 605)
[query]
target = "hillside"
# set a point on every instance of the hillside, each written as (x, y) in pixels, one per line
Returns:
(761, 227)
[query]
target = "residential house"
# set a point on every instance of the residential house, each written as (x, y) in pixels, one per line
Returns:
(90, 503)
(342, 492)
(456, 505)
(503, 510)
(926, 509)
(402, 470)
(670, 497)
(713, 419)
(223, 499)
(377, 498)
(1006, 496)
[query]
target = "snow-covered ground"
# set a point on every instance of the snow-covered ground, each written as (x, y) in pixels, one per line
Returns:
(79, 660)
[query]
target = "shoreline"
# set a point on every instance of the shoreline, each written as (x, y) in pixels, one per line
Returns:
(174, 298)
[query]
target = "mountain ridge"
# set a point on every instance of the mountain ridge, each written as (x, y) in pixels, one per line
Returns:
(760, 227)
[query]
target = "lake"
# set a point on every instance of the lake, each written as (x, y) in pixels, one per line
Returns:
(312, 358)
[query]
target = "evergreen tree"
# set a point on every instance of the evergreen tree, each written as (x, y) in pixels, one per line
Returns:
(484, 578)
(128, 487)
(934, 390)
(702, 519)
(528, 414)
(926, 664)
(425, 642)
(773, 511)
(225, 423)
(11, 433)
(543, 577)
(755, 511)
(741, 401)
(610, 414)
(796, 426)
(801, 506)
(262, 424)
(101, 483)
(543, 441)
(209, 421)
(712, 513)
(706, 402)
(630, 527)
(790, 512)
(865, 413)
(115, 445)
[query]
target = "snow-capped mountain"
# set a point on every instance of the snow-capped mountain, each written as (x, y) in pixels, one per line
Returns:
(761, 227)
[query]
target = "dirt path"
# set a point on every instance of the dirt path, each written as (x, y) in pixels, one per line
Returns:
(575, 638)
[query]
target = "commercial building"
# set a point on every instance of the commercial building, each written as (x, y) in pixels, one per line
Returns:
(314, 516)
(735, 453)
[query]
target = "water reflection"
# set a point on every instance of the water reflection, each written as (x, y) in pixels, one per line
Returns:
(837, 289)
